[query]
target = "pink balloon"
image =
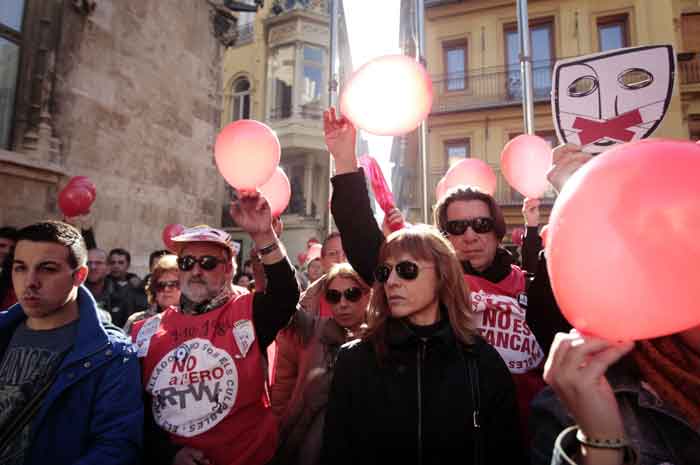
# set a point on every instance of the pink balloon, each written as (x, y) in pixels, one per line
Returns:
(623, 252)
(440, 190)
(247, 153)
(471, 172)
(83, 181)
(277, 191)
(544, 234)
(525, 161)
(169, 232)
(388, 96)
(517, 236)
(75, 200)
(313, 253)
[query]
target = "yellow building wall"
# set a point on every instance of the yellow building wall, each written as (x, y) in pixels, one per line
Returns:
(482, 23)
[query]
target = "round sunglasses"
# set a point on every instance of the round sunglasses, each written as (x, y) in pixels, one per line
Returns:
(406, 270)
(480, 225)
(352, 294)
(207, 262)
(163, 285)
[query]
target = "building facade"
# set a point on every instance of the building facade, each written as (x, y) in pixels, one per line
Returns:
(472, 53)
(125, 92)
(278, 73)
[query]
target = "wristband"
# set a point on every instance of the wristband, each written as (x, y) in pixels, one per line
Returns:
(614, 443)
(269, 248)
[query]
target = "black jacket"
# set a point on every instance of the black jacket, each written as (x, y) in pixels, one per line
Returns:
(417, 407)
(373, 411)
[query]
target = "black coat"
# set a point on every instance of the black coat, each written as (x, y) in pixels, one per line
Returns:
(417, 407)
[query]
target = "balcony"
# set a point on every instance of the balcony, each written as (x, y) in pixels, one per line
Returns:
(689, 68)
(488, 88)
(305, 112)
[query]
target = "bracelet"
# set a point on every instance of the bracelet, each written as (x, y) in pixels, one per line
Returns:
(269, 248)
(616, 443)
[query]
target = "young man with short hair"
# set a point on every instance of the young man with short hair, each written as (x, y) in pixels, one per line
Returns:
(70, 390)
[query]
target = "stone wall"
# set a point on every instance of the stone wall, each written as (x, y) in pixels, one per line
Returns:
(136, 108)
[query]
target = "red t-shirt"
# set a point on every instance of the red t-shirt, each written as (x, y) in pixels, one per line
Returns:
(205, 376)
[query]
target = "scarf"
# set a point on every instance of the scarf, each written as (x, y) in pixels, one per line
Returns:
(193, 308)
(673, 371)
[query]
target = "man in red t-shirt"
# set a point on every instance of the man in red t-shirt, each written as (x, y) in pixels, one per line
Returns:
(203, 365)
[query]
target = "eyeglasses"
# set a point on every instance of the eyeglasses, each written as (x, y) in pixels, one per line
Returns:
(480, 225)
(352, 294)
(207, 262)
(163, 285)
(406, 270)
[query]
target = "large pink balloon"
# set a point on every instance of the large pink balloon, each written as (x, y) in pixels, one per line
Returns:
(471, 172)
(525, 161)
(388, 96)
(247, 153)
(277, 191)
(440, 189)
(544, 235)
(622, 249)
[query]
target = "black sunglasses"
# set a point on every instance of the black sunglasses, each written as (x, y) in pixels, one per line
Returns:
(163, 285)
(207, 262)
(480, 225)
(406, 270)
(352, 294)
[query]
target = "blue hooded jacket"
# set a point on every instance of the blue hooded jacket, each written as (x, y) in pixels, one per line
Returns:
(93, 412)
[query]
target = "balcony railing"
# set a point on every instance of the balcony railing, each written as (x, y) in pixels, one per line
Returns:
(689, 66)
(303, 112)
(245, 34)
(488, 87)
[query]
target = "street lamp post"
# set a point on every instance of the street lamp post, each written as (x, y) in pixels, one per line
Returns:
(526, 67)
(423, 130)
(332, 89)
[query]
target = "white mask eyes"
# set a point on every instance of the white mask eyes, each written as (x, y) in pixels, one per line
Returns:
(585, 85)
(634, 79)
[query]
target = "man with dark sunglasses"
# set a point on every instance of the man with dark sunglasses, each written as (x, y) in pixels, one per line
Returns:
(203, 363)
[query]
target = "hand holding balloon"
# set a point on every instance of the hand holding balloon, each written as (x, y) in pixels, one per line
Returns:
(393, 221)
(531, 211)
(340, 138)
(566, 160)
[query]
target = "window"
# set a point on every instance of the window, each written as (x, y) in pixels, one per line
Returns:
(543, 56)
(241, 99)
(550, 194)
(690, 32)
(11, 15)
(612, 32)
(312, 84)
(455, 58)
(282, 73)
(297, 203)
(456, 150)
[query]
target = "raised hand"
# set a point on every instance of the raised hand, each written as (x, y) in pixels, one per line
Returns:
(390, 219)
(251, 211)
(575, 369)
(531, 211)
(566, 159)
(340, 138)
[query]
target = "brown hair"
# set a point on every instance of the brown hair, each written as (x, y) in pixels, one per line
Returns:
(423, 242)
(466, 193)
(164, 264)
(332, 235)
(344, 270)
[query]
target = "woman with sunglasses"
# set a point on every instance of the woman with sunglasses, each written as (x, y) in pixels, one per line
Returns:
(474, 224)
(422, 387)
(162, 290)
(307, 349)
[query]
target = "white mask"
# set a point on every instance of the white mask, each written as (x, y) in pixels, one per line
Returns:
(605, 99)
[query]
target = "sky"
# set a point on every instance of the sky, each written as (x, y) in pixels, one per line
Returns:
(373, 31)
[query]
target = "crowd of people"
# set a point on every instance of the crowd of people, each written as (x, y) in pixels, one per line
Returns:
(421, 346)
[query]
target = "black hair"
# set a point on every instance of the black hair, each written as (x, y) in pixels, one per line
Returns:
(61, 233)
(156, 254)
(8, 232)
(332, 235)
(119, 251)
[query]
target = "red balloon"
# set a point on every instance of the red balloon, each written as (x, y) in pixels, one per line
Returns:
(544, 234)
(247, 153)
(517, 236)
(75, 201)
(388, 96)
(84, 181)
(471, 172)
(169, 232)
(277, 191)
(623, 252)
(525, 161)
